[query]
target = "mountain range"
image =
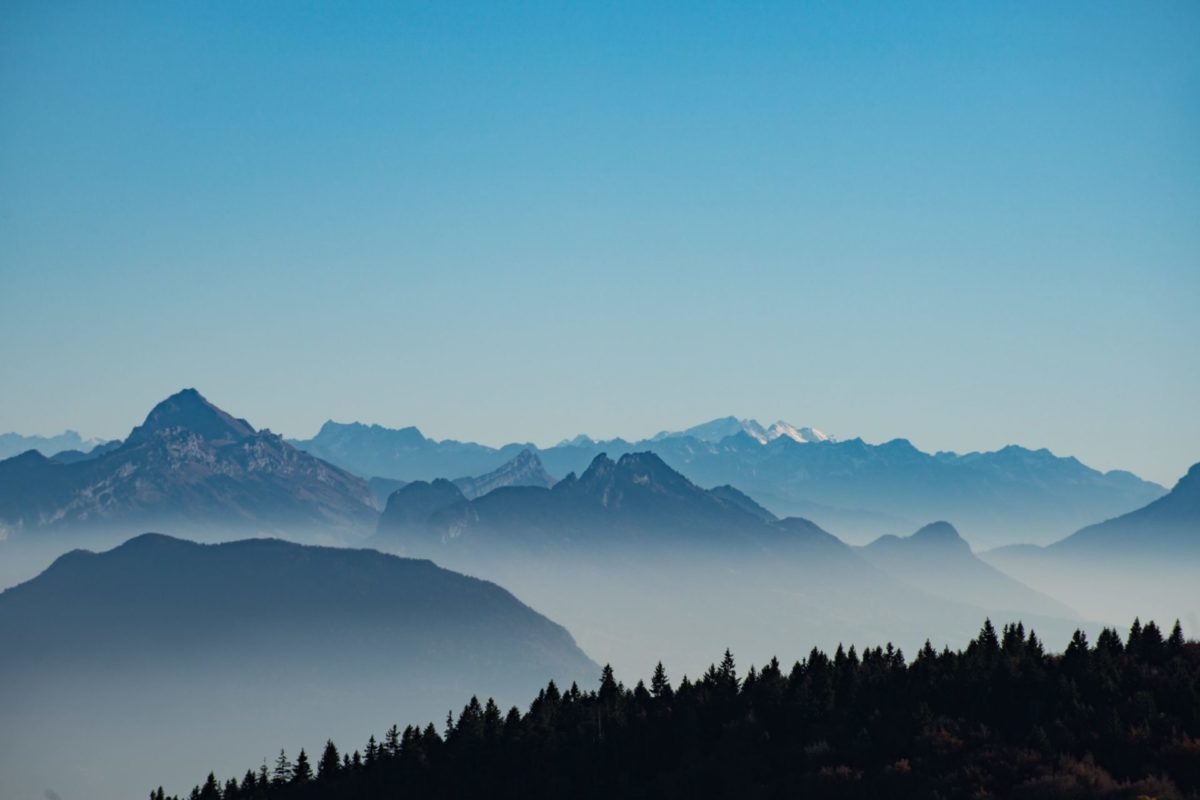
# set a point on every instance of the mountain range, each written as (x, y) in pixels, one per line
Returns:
(858, 489)
(189, 466)
(244, 640)
(12, 444)
(633, 534)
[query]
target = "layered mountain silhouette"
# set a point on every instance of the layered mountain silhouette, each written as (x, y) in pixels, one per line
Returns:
(939, 560)
(858, 489)
(245, 640)
(189, 464)
(635, 501)
(12, 444)
(633, 556)
(1144, 562)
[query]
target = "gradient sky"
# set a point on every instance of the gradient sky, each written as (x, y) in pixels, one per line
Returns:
(966, 224)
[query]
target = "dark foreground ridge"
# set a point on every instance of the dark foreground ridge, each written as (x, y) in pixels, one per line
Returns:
(1001, 718)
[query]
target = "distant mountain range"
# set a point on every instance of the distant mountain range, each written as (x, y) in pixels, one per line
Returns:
(189, 465)
(631, 551)
(859, 490)
(12, 444)
(245, 640)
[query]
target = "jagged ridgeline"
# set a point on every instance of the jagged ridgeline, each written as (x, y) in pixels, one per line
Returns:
(1001, 718)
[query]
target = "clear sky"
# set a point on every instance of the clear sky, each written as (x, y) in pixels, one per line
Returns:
(967, 224)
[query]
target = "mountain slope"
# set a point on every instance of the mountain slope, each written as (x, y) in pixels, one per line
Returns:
(245, 640)
(1170, 525)
(188, 465)
(1143, 563)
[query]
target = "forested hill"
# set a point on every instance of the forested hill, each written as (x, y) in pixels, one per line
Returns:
(1002, 718)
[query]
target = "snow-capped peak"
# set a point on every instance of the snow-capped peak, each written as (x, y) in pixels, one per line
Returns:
(718, 429)
(803, 435)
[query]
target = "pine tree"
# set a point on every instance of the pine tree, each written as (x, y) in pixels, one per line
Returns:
(330, 763)
(1176, 641)
(372, 751)
(283, 770)
(988, 642)
(1135, 636)
(660, 687)
(727, 673)
(302, 772)
(391, 742)
(608, 685)
(211, 790)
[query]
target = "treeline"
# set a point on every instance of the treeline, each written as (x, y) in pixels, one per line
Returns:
(1002, 718)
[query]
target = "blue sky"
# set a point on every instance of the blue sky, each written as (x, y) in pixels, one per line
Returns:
(966, 224)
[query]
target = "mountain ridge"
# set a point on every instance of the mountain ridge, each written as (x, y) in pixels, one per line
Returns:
(860, 490)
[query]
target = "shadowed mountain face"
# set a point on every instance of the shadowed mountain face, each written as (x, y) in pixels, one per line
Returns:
(189, 465)
(858, 489)
(635, 501)
(244, 640)
(637, 560)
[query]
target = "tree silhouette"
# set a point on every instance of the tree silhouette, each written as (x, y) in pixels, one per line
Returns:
(1000, 718)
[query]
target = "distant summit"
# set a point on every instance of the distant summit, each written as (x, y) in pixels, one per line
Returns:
(940, 562)
(722, 428)
(189, 465)
(188, 410)
(525, 469)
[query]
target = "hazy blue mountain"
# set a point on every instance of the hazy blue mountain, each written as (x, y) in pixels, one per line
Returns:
(636, 559)
(1143, 563)
(382, 488)
(637, 499)
(415, 502)
(941, 562)
(858, 489)
(12, 444)
(402, 454)
(525, 469)
(245, 640)
(1169, 526)
(189, 465)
